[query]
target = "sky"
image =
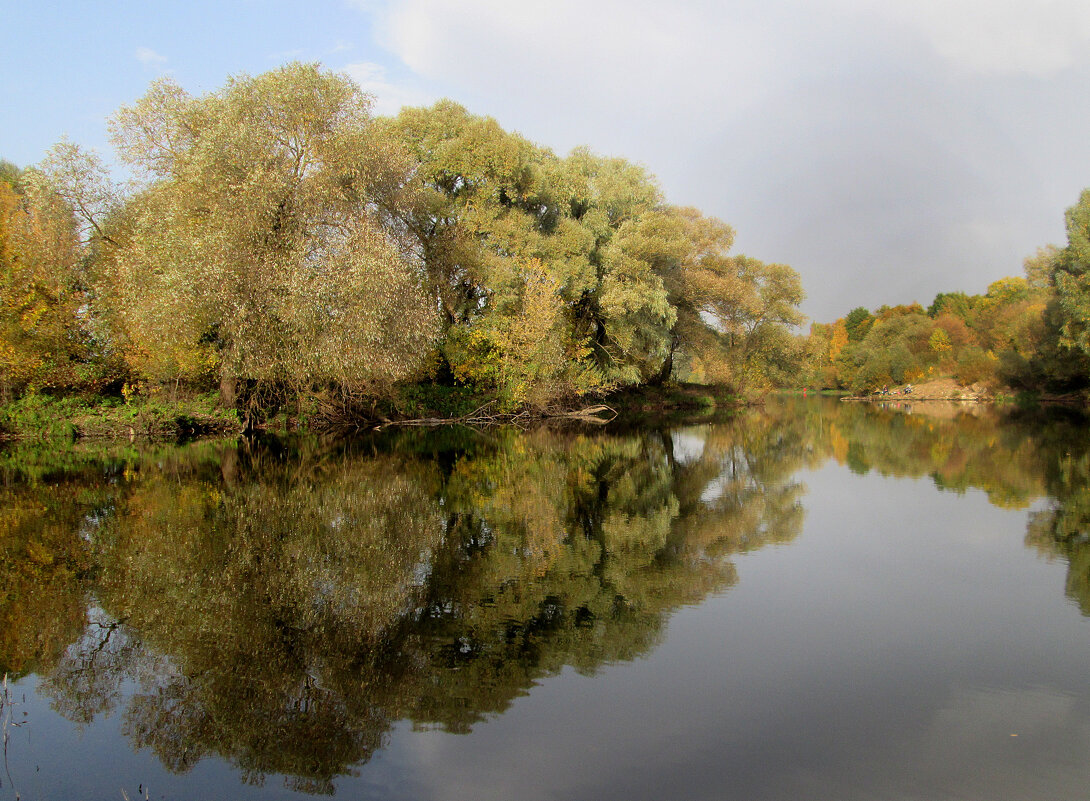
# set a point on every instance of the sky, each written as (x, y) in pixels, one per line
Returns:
(887, 150)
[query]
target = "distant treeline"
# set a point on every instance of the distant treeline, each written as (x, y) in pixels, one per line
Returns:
(281, 244)
(1031, 334)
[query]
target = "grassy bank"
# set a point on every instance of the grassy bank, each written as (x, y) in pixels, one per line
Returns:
(72, 418)
(41, 417)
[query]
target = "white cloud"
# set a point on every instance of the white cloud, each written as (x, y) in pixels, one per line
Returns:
(611, 53)
(999, 37)
(389, 97)
(148, 57)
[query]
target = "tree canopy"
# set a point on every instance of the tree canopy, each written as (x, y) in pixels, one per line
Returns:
(1024, 333)
(283, 241)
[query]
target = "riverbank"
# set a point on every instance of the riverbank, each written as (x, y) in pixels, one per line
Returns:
(76, 418)
(947, 389)
(155, 419)
(944, 389)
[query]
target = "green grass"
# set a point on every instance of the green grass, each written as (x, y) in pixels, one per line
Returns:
(433, 400)
(72, 418)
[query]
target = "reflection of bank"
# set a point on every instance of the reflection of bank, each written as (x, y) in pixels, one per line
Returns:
(1017, 456)
(287, 619)
(895, 406)
(957, 445)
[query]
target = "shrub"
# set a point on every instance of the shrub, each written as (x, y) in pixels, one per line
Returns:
(974, 364)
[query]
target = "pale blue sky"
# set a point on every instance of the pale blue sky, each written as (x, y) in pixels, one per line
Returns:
(886, 150)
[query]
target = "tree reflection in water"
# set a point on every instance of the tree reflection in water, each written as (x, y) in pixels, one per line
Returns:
(1063, 527)
(282, 605)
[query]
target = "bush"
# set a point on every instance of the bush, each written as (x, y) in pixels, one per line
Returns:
(975, 365)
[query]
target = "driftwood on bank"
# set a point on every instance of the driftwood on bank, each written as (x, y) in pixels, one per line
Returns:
(486, 416)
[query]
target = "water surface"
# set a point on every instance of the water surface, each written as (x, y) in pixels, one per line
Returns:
(818, 599)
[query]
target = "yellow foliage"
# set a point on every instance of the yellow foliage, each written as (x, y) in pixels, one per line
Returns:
(838, 339)
(39, 258)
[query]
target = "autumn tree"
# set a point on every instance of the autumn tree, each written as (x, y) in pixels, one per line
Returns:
(44, 340)
(955, 303)
(858, 322)
(493, 239)
(283, 242)
(633, 281)
(253, 252)
(1071, 276)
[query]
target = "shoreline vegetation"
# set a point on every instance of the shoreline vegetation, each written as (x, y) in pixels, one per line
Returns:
(285, 258)
(1027, 337)
(59, 420)
(285, 254)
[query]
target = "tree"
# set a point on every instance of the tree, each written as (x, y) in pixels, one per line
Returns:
(956, 303)
(635, 283)
(858, 323)
(492, 225)
(43, 344)
(284, 242)
(684, 294)
(478, 200)
(1071, 275)
(254, 251)
(939, 341)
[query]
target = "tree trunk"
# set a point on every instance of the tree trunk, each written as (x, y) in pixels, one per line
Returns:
(667, 368)
(228, 391)
(229, 467)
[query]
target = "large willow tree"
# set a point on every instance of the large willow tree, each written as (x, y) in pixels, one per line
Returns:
(253, 250)
(561, 275)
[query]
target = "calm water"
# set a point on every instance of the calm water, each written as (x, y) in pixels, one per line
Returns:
(817, 600)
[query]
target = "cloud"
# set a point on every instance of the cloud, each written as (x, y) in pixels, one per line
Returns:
(886, 150)
(607, 53)
(148, 57)
(999, 37)
(389, 97)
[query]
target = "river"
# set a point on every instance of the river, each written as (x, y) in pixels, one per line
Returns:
(813, 599)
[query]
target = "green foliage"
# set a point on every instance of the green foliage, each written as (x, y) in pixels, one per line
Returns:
(10, 174)
(635, 288)
(974, 365)
(289, 247)
(858, 322)
(42, 416)
(434, 400)
(67, 418)
(1071, 275)
(1008, 291)
(957, 304)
